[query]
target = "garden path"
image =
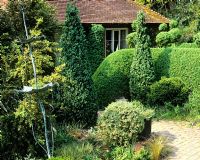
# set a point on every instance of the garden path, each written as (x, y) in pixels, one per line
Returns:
(184, 139)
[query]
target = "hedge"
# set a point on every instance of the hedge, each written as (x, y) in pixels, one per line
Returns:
(111, 79)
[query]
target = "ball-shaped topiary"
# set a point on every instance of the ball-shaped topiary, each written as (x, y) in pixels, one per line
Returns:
(163, 27)
(168, 90)
(163, 39)
(131, 39)
(120, 123)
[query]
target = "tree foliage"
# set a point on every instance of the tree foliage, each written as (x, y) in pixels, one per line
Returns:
(34, 9)
(96, 46)
(142, 71)
(167, 38)
(77, 99)
(20, 112)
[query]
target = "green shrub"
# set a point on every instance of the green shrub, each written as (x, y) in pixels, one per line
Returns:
(197, 38)
(74, 150)
(131, 39)
(142, 154)
(78, 98)
(122, 153)
(175, 35)
(163, 39)
(96, 46)
(173, 24)
(163, 27)
(142, 71)
(111, 79)
(120, 123)
(188, 45)
(168, 90)
(58, 158)
(127, 153)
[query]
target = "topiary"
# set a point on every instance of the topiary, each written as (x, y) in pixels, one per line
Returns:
(175, 35)
(111, 80)
(96, 45)
(120, 123)
(163, 39)
(131, 39)
(173, 24)
(163, 27)
(78, 98)
(168, 90)
(142, 69)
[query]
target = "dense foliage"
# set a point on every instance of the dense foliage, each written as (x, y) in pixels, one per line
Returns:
(77, 99)
(20, 114)
(131, 39)
(34, 10)
(120, 123)
(96, 46)
(171, 37)
(141, 71)
(111, 79)
(169, 62)
(171, 90)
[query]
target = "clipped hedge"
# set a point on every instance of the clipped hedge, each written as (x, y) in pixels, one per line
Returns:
(168, 90)
(188, 45)
(111, 79)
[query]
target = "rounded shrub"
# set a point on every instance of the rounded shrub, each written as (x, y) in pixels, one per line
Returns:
(173, 24)
(163, 39)
(175, 35)
(120, 123)
(163, 27)
(168, 90)
(111, 79)
(131, 39)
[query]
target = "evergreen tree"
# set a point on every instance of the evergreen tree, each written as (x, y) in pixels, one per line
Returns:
(142, 71)
(97, 48)
(77, 99)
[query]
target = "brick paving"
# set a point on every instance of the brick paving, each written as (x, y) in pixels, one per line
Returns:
(184, 139)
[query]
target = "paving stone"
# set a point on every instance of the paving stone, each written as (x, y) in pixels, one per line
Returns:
(184, 139)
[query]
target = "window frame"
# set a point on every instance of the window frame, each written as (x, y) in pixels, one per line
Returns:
(112, 37)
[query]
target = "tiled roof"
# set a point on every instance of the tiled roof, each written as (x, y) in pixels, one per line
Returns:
(108, 11)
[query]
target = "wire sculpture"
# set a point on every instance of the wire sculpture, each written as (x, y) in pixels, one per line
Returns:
(36, 89)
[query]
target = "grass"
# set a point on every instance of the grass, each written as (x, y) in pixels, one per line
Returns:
(158, 147)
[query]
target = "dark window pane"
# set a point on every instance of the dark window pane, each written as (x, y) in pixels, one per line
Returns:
(108, 35)
(123, 39)
(116, 40)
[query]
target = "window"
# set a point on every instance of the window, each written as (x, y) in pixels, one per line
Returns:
(115, 39)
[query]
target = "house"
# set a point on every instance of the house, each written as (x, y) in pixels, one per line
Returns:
(115, 15)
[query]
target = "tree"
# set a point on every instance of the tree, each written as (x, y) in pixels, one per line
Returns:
(96, 46)
(142, 71)
(78, 98)
(34, 9)
(21, 113)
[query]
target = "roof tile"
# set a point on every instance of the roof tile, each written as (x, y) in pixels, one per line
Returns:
(108, 11)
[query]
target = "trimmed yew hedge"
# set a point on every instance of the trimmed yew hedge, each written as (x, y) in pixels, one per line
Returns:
(111, 79)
